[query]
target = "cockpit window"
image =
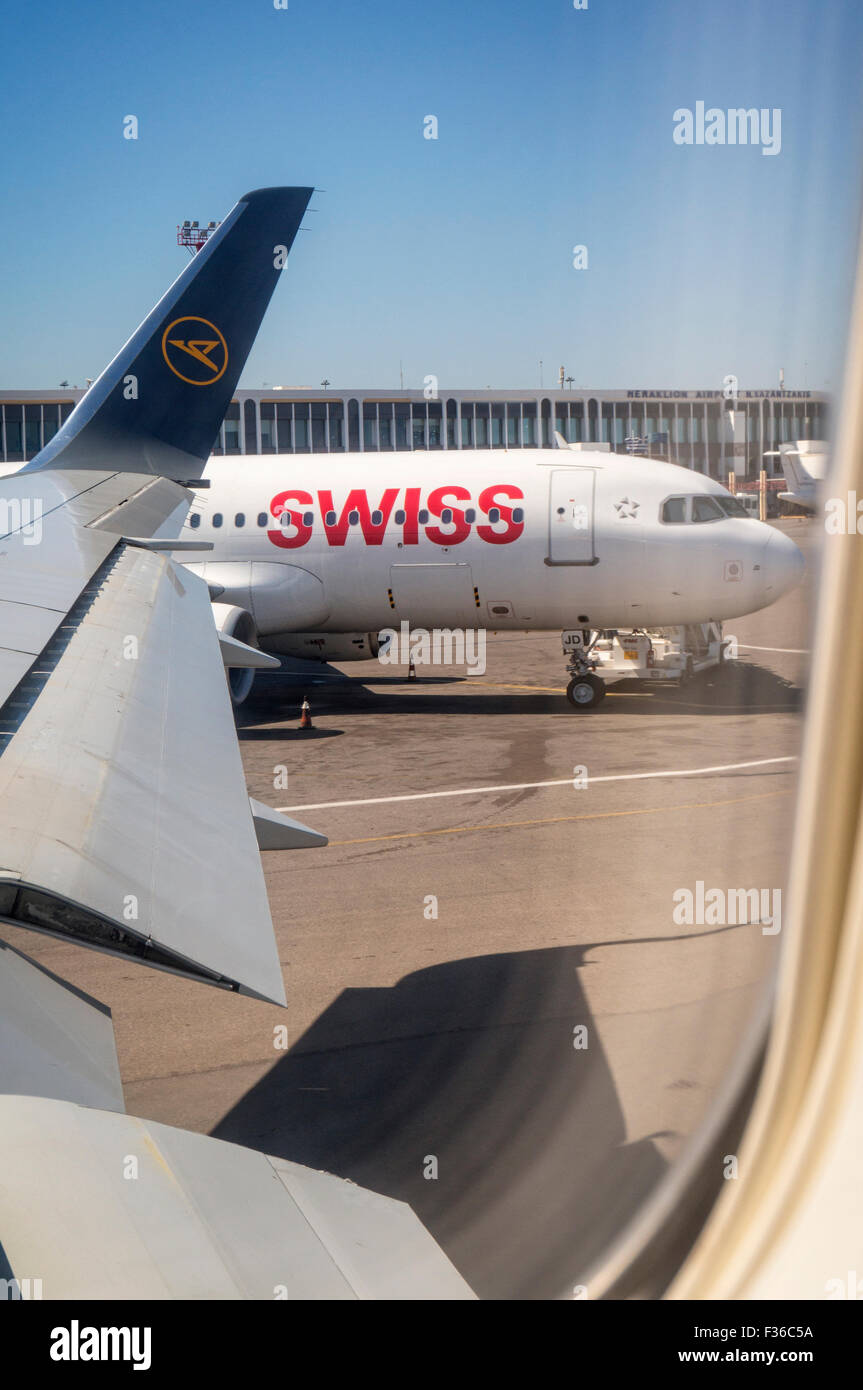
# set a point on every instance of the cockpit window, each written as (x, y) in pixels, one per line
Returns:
(674, 509)
(706, 509)
(732, 506)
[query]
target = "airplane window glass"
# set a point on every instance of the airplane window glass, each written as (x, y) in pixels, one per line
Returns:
(706, 509)
(674, 509)
(557, 808)
(732, 507)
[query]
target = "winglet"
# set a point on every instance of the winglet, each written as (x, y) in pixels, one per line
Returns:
(275, 831)
(158, 406)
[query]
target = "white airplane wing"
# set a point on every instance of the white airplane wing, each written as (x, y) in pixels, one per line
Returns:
(124, 819)
(55, 1041)
(121, 1208)
(125, 825)
(96, 1204)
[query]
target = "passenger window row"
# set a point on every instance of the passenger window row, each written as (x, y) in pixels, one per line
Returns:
(239, 519)
(399, 517)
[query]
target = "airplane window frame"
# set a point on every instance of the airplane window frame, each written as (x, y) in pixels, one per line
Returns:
(704, 520)
(743, 514)
(687, 510)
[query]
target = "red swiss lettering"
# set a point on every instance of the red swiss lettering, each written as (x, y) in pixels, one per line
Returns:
(488, 499)
(410, 530)
(438, 503)
(373, 532)
(279, 510)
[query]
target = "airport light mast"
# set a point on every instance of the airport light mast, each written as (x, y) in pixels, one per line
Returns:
(193, 236)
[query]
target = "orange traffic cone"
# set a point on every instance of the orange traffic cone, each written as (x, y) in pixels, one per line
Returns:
(412, 671)
(306, 716)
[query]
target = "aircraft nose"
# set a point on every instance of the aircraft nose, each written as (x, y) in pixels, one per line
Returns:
(782, 565)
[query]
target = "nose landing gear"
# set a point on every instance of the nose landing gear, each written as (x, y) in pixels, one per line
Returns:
(585, 689)
(585, 692)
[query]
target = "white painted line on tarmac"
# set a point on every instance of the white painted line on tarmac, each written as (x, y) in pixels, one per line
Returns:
(788, 651)
(530, 786)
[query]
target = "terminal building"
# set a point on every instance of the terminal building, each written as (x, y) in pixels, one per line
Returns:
(703, 430)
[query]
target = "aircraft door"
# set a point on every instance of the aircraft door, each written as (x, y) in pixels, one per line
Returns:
(571, 519)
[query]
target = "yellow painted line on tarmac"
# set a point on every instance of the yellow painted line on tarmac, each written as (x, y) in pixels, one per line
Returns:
(556, 820)
(509, 685)
(552, 689)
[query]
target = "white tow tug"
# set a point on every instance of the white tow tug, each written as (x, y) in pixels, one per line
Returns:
(596, 660)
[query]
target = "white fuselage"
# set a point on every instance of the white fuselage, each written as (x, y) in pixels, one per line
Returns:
(536, 538)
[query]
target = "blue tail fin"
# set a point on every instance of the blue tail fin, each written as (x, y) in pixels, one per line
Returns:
(158, 406)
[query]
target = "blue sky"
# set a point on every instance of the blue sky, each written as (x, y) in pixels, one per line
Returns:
(453, 255)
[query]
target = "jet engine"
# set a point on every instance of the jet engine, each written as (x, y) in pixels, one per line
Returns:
(239, 623)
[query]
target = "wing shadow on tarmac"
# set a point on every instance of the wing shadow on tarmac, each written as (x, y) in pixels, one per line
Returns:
(472, 1063)
(737, 688)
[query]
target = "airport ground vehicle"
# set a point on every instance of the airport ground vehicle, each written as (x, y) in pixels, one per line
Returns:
(607, 657)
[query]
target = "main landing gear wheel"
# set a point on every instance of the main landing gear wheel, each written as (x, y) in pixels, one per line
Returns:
(585, 692)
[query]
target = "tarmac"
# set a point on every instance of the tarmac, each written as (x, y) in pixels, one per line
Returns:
(492, 1011)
